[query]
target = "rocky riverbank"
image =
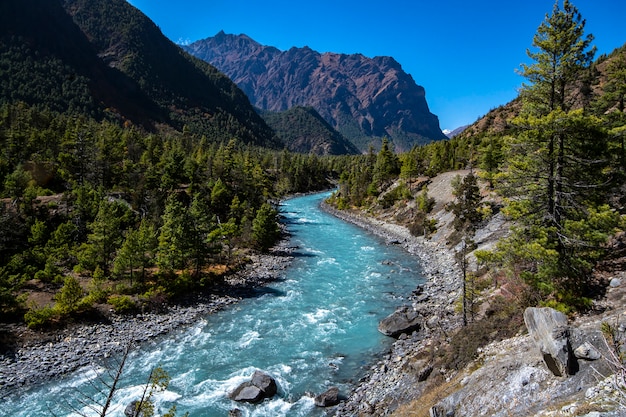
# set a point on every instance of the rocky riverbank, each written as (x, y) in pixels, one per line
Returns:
(40, 355)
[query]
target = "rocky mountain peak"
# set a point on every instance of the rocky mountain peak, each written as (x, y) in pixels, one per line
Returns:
(364, 98)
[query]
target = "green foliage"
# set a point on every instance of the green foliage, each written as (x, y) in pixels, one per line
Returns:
(265, 227)
(68, 298)
(121, 303)
(197, 200)
(387, 165)
(561, 55)
(36, 318)
(400, 192)
(467, 203)
(424, 202)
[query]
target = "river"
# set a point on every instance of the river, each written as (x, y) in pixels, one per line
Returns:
(314, 328)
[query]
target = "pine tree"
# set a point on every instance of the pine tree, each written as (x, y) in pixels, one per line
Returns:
(265, 229)
(557, 163)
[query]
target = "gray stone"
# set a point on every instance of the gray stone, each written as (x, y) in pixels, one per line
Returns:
(403, 320)
(588, 352)
(550, 332)
(615, 282)
(247, 393)
(266, 383)
(328, 398)
(260, 386)
(132, 411)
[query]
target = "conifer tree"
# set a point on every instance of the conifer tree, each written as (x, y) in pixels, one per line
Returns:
(265, 229)
(556, 165)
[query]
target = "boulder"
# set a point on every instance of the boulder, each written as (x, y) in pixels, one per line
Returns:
(247, 393)
(588, 352)
(403, 320)
(260, 386)
(328, 398)
(266, 383)
(550, 332)
(132, 411)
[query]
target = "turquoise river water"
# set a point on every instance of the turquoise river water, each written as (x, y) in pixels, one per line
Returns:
(314, 328)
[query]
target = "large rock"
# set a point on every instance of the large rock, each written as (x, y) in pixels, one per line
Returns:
(131, 410)
(550, 331)
(328, 398)
(266, 383)
(403, 320)
(260, 386)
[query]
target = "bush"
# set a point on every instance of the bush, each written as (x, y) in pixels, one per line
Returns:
(424, 202)
(38, 317)
(422, 225)
(121, 303)
(68, 298)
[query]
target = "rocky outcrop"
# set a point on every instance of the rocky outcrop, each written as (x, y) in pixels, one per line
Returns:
(402, 321)
(328, 398)
(550, 331)
(260, 387)
(361, 97)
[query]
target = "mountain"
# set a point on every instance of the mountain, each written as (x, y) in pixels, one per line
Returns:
(452, 133)
(363, 98)
(303, 130)
(104, 58)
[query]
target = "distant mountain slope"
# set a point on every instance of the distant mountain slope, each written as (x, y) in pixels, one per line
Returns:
(363, 98)
(303, 130)
(104, 58)
(458, 130)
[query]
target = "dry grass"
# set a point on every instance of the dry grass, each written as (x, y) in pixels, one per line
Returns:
(436, 392)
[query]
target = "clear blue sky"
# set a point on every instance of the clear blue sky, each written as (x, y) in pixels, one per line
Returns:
(464, 53)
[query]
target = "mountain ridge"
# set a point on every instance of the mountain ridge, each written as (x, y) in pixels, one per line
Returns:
(365, 99)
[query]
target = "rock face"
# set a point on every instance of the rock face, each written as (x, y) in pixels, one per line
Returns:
(361, 97)
(260, 386)
(403, 320)
(328, 398)
(550, 332)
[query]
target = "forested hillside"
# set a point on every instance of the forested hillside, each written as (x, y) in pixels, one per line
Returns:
(105, 59)
(303, 130)
(111, 214)
(130, 172)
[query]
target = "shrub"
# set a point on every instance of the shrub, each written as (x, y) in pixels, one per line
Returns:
(121, 303)
(69, 296)
(424, 202)
(38, 317)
